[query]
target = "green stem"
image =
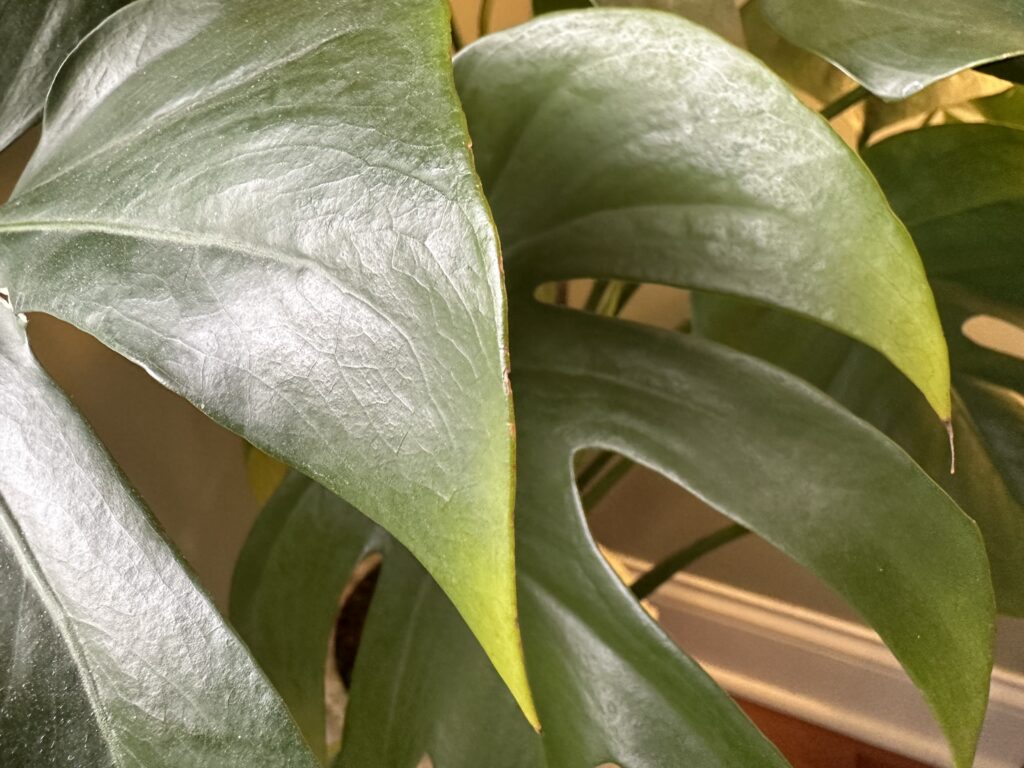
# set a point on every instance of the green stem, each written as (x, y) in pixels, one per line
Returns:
(457, 43)
(596, 292)
(605, 483)
(685, 557)
(844, 102)
(485, 17)
(593, 469)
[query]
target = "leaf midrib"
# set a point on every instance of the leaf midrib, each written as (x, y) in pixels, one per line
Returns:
(55, 609)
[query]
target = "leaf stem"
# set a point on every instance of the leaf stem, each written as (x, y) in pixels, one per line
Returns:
(605, 483)
(485, 17)
(685, 557)
(457, 43)
(593, 469)
(844, 102)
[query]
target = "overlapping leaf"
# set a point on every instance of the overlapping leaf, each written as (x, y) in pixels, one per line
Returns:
(608, 143)
(665, 156)
(671, 164)
(35, 37)
(110, 655)
(279, 219)
(959, 190)
(421, 684)
(896, 49)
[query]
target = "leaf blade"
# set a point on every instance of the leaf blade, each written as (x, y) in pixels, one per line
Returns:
(896, 50)
(282, 223)
(116, 656)
(617, 157)
(34, 40)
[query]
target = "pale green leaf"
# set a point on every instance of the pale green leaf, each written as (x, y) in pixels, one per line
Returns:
(895, 49)
(110, 654)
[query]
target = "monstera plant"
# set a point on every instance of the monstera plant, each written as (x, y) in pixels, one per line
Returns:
(351, 250)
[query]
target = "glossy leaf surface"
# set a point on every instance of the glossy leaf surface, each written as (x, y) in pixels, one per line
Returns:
(654, 164)
(35, 37)
(421, 681)
(421, 684)
(819, 484)
(896, 49)
(866, 384)
(636, 145)
(281, 222)
(110, 655)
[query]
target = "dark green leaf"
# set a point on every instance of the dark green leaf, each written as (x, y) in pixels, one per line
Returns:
(989, 489)
(776, 456)
(285, 590)
(421, 683)
(110, 655)
(1008, 69)
(681, 160)
(635, 145)
(278, 217)
(35, 37)
(960, 191)
(896, 49)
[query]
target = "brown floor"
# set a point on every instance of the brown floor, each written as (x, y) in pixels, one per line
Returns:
(809, 746)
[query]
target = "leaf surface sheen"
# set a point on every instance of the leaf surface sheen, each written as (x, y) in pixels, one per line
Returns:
(35, 37)
(633, 144)
(281, 222)
(110, 654)
(897, 49)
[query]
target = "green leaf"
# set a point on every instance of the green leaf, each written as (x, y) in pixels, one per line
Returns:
(802, 69)
(281, 222)
(721, 16)
(896, 49)
(35, 37)
(960, 191)
(110, 655)
(682, 160)
(818, 483)
(985, 485)
(1008, 69)
(1006, 108)
(421, 683)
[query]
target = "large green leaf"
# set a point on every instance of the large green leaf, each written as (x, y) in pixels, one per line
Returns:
(35, 37)
(984, 485)
(902, 553)
(683, 161)
(774, 455)
(896, 49)
(110, 655)
(635, 145)
(278, 217)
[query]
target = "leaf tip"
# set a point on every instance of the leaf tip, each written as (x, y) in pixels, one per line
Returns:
(948, 424)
